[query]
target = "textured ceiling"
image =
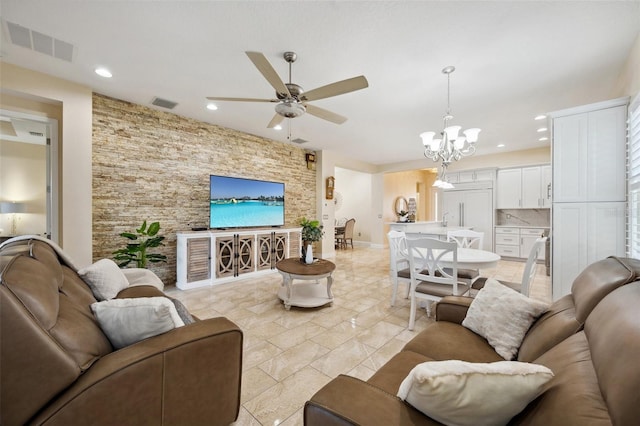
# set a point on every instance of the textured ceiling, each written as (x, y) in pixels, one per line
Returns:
(513, 59)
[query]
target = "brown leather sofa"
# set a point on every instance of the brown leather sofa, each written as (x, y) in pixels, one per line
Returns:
(590, 339)
(58, 368)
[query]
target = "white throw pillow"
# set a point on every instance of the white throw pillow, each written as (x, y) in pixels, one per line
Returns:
(464, 393)
(502, 316)
(104, 278)
(126, 321)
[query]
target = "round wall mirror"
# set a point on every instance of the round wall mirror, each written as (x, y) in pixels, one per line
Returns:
(400, 204)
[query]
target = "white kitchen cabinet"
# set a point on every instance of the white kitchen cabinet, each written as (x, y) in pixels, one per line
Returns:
(531, 185)
(472, 207)
(509, 189)
(589, 188)
(584, 233)
(590, 147)
(467, 176)
(528, 237)
(526, 187)
(545, 190)
(517, 242)
(508, 242)
(476, 175)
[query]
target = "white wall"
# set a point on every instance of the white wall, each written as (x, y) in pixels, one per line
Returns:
(356, 189)
(23, 179)
(75, 151)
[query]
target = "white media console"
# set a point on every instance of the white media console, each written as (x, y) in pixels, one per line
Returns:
(212, 257)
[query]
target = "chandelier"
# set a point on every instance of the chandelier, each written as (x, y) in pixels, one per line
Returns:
(452, 146)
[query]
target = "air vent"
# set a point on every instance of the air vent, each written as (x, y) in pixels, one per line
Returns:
(36, 134)
(164, 103)
(299, 141)
(42, 43)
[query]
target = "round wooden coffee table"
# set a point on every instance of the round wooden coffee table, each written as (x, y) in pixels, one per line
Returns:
(305, 295)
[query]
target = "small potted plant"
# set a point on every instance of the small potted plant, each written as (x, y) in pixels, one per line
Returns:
(311, 232)
(136, 249)
(403, 216)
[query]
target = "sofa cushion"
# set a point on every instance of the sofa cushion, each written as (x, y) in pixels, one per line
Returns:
(599, 279)
(127, 321)
(443, 340)
(104, 278)
(502, 316)
(573, 397)
(392, 373)
(613, 333)
(555, 325)
(461, 393)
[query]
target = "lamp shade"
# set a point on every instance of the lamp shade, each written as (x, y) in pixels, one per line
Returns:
(459, 143)
(472, 134)
(452, 132)
(427, 137)
(12, 207)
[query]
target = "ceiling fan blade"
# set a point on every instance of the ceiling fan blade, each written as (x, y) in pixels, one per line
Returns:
(337, 88)
(325, 114)
(277, 119)
(218, 98)
(265, 68)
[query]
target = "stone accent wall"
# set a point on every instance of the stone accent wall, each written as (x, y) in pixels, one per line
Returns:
(155, 166)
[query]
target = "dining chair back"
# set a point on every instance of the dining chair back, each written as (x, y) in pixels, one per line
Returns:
(430, 280)
(532, 265)
(347, 237)
(466, 238)
(399, 265)
(528, 274)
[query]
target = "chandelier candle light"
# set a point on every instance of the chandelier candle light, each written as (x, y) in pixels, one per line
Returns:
(451, 147)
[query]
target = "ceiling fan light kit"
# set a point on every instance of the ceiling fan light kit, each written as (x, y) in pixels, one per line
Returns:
(292, 100)
(451, 147)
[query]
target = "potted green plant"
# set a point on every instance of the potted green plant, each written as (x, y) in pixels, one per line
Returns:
(311, 232)
(136, 249)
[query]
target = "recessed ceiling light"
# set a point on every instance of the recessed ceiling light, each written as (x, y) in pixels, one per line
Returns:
(103, 72)
(277, 127)
(544, 138)
(542, 129)
(212, 107)
(540, 117)
(501, 145)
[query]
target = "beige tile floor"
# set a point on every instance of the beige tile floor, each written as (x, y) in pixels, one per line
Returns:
(289, 355)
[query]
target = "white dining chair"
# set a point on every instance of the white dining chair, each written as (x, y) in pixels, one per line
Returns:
(466, 238)
(399, 265)
(527, 276)
(430, 280)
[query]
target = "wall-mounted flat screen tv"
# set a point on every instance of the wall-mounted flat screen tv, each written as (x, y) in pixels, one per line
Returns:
(238, 202)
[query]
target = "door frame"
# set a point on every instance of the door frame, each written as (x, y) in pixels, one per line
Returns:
(52, 201)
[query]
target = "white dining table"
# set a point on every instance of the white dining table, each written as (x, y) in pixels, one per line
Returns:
(469, 258)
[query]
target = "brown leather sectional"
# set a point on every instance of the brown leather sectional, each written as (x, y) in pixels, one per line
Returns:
(58, 368)
(590, 339)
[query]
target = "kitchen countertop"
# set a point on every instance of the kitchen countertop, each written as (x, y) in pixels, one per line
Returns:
(523, 226)
(429, 228)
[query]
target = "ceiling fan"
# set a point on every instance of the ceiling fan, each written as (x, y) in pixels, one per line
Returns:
(291, 98)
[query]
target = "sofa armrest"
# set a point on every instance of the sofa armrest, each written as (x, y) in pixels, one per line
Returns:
(350, 401)
(190, 375)
(453, 308)
(142, 276)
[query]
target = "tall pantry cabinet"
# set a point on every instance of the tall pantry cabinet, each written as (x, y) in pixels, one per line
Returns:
(589, 188)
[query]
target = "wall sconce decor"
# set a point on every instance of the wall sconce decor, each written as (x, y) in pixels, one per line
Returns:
(12, 208)
(330, 185)
(311, 160)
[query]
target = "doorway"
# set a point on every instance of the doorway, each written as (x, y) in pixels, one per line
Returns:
(28, 175)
